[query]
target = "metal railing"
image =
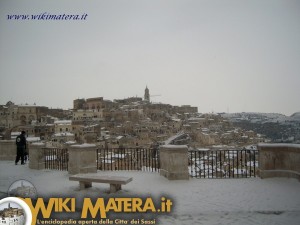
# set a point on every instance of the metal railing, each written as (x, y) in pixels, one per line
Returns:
(223, 163)
(128, 159)
(56, 158)
(202, 164)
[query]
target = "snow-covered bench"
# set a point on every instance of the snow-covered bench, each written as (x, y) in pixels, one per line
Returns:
(85, 180)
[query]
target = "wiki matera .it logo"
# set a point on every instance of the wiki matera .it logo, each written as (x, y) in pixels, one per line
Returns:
(14, 211)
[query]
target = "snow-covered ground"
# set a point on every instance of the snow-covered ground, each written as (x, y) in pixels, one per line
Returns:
(197, 201)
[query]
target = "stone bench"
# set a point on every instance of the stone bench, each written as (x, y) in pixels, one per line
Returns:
(85, 180)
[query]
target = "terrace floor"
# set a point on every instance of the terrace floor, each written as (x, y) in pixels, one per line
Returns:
(196, 201)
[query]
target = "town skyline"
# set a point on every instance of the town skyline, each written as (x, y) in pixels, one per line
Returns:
(151, 102)
(37, 103)
(227, 56)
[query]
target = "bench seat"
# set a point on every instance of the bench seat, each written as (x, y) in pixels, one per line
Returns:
(85, 180)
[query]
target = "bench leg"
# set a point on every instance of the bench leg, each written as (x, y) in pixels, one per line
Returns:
(115, 187)
(84, 185)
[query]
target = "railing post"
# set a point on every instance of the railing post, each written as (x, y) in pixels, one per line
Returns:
(174, 162)
(279, 160)
(8, 149)
(82, 159)
(37, 156)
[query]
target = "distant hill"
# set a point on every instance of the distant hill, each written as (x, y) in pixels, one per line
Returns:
(277, 127)
(296, 116)
(254, 117)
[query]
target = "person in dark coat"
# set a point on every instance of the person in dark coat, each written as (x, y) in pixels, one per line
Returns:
(21, 147)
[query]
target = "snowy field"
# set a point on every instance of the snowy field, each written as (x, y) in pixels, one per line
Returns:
(197, 201)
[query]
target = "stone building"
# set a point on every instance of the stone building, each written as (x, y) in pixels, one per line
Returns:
(31, 118)
(79, 104)
(128, 100)
(147, 95)
(94, 103)
(12, 115)
(62, 138)
(62, 126)
(185, 109)
(83, 116)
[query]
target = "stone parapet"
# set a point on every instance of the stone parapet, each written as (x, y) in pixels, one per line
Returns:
(174, 162)
(8, 150)
(279, 160)
(37, 156)
(82, 159)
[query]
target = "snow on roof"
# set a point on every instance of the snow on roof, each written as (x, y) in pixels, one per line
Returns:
(85, 145)
(202, 149)
(222, 146)
(63, 122)
(169, 140)
(28, 105)
(174, 146)
(90, 126)
(251, 147)
(33, 139)
(38, 143)
(196, 118)
(63, 134)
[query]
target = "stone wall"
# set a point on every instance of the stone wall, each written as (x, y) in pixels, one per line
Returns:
(8, 150)
(174, 162)
(279, 160)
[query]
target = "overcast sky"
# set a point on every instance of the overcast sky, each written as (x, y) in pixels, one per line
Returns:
(222, 56)
(12, 204)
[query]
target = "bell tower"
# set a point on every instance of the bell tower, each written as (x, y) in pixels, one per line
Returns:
(147, 95)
